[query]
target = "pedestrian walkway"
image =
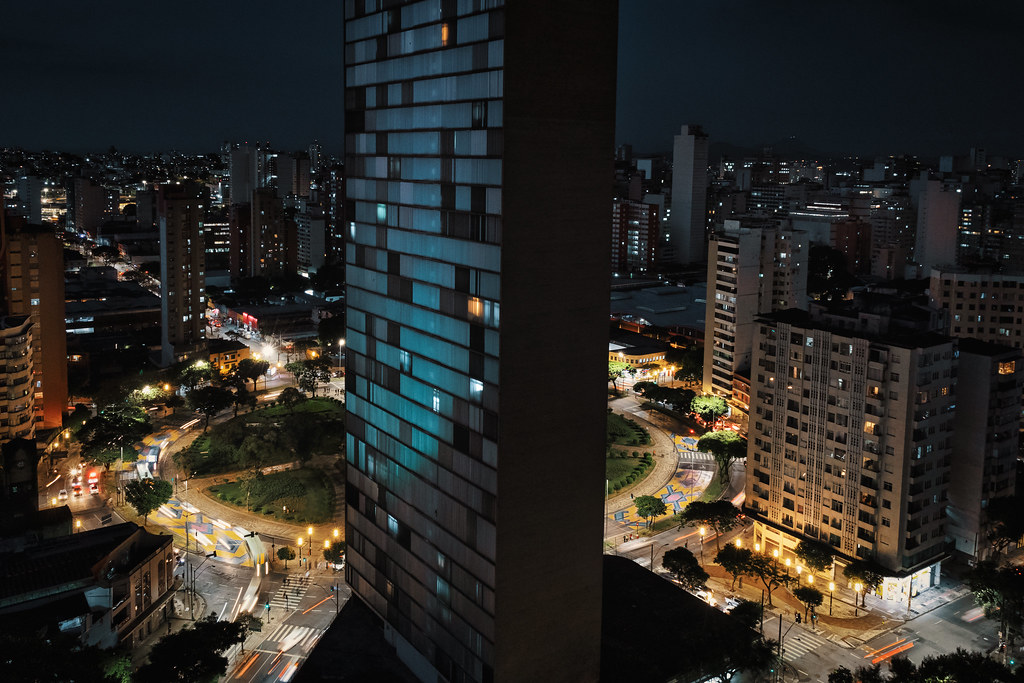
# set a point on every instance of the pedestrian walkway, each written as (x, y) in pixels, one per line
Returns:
(286, 636)
(798, 643)
(290, 594)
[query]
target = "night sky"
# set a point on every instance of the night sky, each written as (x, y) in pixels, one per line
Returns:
(843, 77)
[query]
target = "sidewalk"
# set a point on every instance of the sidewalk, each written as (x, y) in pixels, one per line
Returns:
(176, 623)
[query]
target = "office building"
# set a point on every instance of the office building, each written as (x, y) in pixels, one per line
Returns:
(460, 119)
(33, 273)
(689, 195)
(180, 210)
(753, 268)
(986, 304)
(851, 436)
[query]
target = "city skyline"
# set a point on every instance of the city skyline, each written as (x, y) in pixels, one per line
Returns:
(893, 79)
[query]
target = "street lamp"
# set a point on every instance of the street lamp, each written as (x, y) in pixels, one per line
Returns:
(300, 548)
(831, 587)
(757, 547)
(310, 553)
(739, 542)
(78, 525)
(702, 532)
(856, 598)
(335, 534)
(787, 567)
(194, 571)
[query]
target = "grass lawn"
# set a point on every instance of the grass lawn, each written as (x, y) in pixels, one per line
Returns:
(617, 468)
(325, 406)
(307, 493)
(626, 432)
(713, 491)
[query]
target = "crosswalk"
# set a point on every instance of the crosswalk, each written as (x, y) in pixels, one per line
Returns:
(283, 637)
(290, 594)
(799, 643)
(694, 456)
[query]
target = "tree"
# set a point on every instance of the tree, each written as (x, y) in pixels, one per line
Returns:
(866, 573)
(810, 596)
(209, 401)
(999, 590)
(690, 364)
(285, 553)
(643, 388)
(192, 654)
(759, 657)
(687, 570)
(335, 553)
(115, 427)
(291, 397)
(146, 495)
(840, 675)
(1005, 522)
(720, 515)
(747, 612)
(194, 374)
(309, 373)
(734, 560)
(816, 555)
(963, 666)
(767, 570)
(649, 507)
(726, 447)
(329, 330)
(615, 371)
(251, 370)
(709, 407)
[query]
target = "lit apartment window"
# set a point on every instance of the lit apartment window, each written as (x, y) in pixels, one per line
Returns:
(1007, 368)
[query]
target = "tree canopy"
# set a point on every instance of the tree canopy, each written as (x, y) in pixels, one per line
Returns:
(251, 370)
(726, 447)
(116, 426)
(999, 590)
(734, 560)
(146, 495)
(687, 570)
(209, 401)
(194, 654)
(815, 554)
(865, 572)
(649, 507)
(720, 515)
(709, 407)
(960, 666)
(810, 596)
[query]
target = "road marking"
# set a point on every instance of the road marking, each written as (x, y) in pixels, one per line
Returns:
(797, 646)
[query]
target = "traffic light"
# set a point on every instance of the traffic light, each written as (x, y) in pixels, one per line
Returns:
(267, 606)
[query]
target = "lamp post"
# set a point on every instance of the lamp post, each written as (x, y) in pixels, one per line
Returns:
(831, 587)
(856, 598)
(78, 525)
(300, 549)
(193, 571)
(702, 532)
(309, 555)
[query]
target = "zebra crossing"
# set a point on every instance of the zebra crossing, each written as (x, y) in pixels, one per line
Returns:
(290, 594)
(694, 456)
(286, 636)
(799, 643)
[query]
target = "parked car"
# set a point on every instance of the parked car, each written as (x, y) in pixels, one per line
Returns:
(707, 596)
(729, 603)
(62, 494)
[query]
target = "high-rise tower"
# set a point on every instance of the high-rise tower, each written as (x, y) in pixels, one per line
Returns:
(689, 195)
(468, 278)
(180, 210)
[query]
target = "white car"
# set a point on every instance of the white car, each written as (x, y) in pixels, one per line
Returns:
(729, 603)
(707, 596)
(62, 494)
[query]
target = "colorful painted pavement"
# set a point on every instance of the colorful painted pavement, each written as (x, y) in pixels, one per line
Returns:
(685, 486)
(207, 533)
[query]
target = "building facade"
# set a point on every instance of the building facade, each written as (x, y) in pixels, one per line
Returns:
(460, 118)
(636, 229)
(18, 398)
(985, 434)
(182, 271)
(752, 269)
(33, 267)
(851, 437)
(689, 195)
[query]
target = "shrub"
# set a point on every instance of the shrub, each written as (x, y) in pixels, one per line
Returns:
(616, 486)
(257, 508)
(268, 512)
(636, 454)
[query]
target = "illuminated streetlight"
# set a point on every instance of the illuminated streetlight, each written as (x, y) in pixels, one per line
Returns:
(856, 598)
(300, 547)
(739, 543)
(78, 524)
(335, 533)
(831, 587)
(757, 547)
(702, 532)
(327, 544)
(810, 579)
